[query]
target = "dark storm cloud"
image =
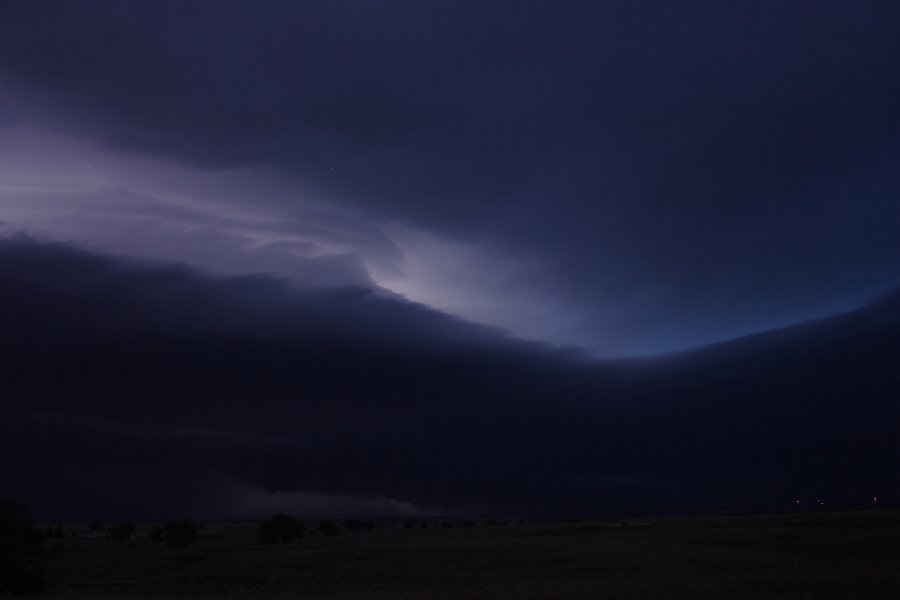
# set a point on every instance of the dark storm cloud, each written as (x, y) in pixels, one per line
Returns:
(140, 390)
(697, 170)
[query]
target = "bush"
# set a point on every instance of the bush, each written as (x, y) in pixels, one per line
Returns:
(95, 526)
(21, 565)
(121, 532)
(182, 532)
(280, 529)
(358, 525)
(328, 528)
(156, 533)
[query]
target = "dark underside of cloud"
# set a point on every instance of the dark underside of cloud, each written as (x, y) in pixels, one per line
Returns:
(133, 390)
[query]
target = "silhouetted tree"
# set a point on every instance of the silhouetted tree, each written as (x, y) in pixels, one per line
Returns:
(280, 528)
(121, 532)
(182, 532)
(328, 528)
(54, 532)
(156, 533)
(21, 565)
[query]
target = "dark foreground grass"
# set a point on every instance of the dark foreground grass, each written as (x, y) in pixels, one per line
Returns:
(839, 555)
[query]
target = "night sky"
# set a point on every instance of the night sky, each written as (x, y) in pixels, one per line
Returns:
(420, 257)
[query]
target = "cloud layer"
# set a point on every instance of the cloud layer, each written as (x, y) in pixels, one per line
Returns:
(148, 390)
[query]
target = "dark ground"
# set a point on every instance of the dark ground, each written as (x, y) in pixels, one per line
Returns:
(839, 554)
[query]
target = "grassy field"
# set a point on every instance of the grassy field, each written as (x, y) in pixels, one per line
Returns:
(841, 554)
